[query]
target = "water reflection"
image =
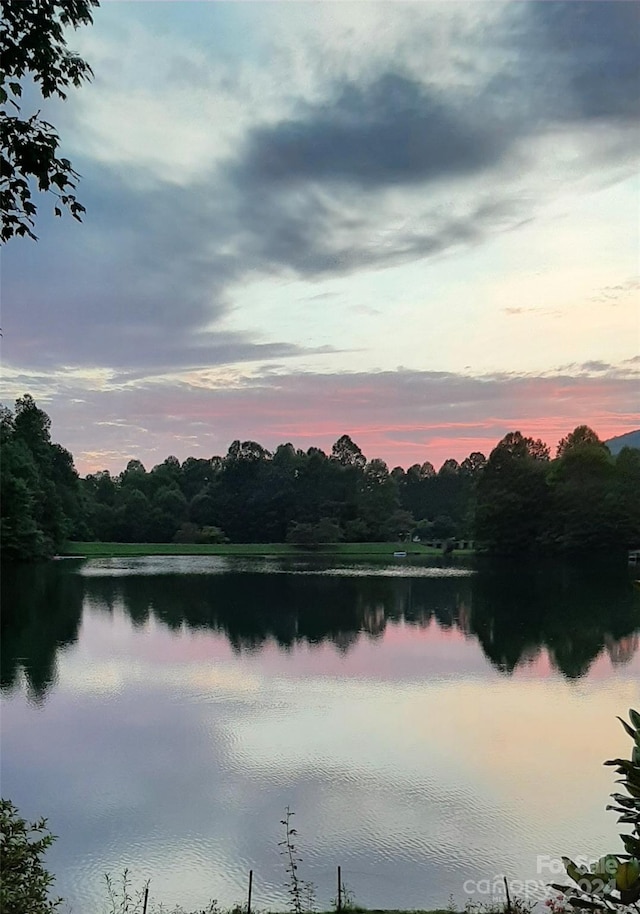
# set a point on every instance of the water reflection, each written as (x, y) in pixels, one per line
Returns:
(515, 612)
(575, 612)
(41, 614)
(403, 718)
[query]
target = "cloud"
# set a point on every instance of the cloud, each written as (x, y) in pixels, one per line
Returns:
(610, 295)
(141, 285)
(517, 309)
(394, 165)
(402, 416)
(594, 368)
(593, 48)
(314, 152)
(321, 176)
(388, 132)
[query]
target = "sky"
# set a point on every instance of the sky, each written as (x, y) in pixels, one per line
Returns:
(416, 224)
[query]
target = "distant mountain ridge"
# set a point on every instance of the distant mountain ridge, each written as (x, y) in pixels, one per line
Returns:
(631, 439)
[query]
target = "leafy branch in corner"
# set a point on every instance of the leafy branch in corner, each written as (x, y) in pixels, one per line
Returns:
(25, 882)
(33, 45)
(613, 882)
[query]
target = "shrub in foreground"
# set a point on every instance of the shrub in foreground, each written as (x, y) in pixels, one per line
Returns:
(24, 881)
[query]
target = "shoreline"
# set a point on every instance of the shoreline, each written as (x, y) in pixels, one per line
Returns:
(257, 550)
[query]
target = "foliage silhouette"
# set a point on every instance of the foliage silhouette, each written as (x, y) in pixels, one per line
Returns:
(24, 882)
(41, 614)
(33, 46)
(519, 501)
(613, 882)
(572, 612)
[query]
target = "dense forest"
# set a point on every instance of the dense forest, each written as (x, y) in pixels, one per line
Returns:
(519, 499)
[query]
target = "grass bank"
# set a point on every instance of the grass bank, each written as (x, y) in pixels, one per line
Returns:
(363, 550)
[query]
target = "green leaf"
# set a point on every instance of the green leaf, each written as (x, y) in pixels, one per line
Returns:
(627, 875)
(630, 730)
(574, 872)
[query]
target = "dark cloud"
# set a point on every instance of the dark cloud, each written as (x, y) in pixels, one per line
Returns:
(391, 131)
(306, 234)
(598, 368)
(595, 366)
(144, 282)
(138, 285)
(310, 186)
(128, 286)
(553, 62)
(593, 48)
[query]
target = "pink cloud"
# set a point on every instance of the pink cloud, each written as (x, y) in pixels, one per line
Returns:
(403, 417)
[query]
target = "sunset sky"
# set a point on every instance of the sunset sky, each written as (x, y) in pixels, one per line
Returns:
(416, 224)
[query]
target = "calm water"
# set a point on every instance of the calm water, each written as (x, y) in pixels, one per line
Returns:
(429, 725)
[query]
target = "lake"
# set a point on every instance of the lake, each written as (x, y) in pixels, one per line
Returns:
(433, 725)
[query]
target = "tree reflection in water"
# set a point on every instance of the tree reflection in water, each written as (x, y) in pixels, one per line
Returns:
(515, 611)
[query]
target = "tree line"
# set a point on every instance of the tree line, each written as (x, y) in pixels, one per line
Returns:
(519, 499)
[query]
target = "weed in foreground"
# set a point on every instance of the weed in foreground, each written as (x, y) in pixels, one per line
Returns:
(516, 906)
(121, 898)
(348, 901)
(298, 889)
